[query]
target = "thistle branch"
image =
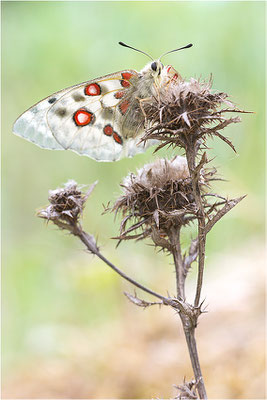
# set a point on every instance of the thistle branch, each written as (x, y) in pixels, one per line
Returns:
(86, 239)
(65, 209)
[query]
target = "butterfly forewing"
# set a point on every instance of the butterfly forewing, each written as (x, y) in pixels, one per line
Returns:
(32, 125)
(86, 118)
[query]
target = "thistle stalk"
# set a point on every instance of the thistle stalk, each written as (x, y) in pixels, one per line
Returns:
(178, 263)
(188, 322)
(191, 160)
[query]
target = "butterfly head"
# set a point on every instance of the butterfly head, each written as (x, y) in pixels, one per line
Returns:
(156, 69)
(160, 73)
(153, 69)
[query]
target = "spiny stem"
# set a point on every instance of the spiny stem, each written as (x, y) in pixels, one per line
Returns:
(188, 322)
(192, 348)
(178, 262)
(191, 160)
(201, 259)
(84, 237)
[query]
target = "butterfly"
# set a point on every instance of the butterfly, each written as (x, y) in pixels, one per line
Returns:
(101, 118)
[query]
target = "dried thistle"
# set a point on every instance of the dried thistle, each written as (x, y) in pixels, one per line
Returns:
(66, 208)
(158, 199)
(163, 197)
(184, 115)
(66, 204)
(187, 391)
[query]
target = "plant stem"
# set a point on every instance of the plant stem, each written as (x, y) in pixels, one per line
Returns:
(191, 161)
(201, 259)
(192, 348)
(178, 262)
(189, 322)
(85, 238)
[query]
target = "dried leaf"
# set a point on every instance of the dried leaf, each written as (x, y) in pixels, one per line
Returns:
(140, 302)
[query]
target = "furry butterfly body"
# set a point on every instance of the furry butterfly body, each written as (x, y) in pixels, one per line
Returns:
(101, 118)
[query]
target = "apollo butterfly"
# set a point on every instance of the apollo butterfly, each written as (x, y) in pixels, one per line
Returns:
(101, 118)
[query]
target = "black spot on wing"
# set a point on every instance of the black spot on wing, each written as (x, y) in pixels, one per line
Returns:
(61, 112)
(34, 110)
(52, 100)
(78, 97)
(107, 113)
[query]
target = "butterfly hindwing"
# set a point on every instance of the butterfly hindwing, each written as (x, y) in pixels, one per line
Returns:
(86, 118)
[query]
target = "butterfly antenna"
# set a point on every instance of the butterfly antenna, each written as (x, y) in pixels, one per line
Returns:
(180, 48)
(130, 47)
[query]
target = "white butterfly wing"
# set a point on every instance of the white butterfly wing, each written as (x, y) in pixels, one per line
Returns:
(32, 124)
(85, 118)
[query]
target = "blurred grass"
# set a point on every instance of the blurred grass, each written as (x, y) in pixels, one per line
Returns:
(47, 46)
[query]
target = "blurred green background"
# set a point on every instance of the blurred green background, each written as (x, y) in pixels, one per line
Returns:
(67, 328)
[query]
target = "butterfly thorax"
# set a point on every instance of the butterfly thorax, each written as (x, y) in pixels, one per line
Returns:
(143, 86)
(151, 73)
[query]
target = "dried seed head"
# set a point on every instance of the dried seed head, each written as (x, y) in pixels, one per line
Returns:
(187, 391)
(157, 198)
(158, 173)
(185, 114)
(66, 204)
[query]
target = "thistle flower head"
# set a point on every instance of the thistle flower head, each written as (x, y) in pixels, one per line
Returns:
(66, 204)
(158, 173)
(186, 113)
(155, 199)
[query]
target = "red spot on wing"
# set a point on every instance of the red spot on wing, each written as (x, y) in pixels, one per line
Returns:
(92, 90)
(108, 130)
(125, 83)
(123, 106)
(83, 117)
(117, 138)
(171, 70)
(126, 77)
(119, 94)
